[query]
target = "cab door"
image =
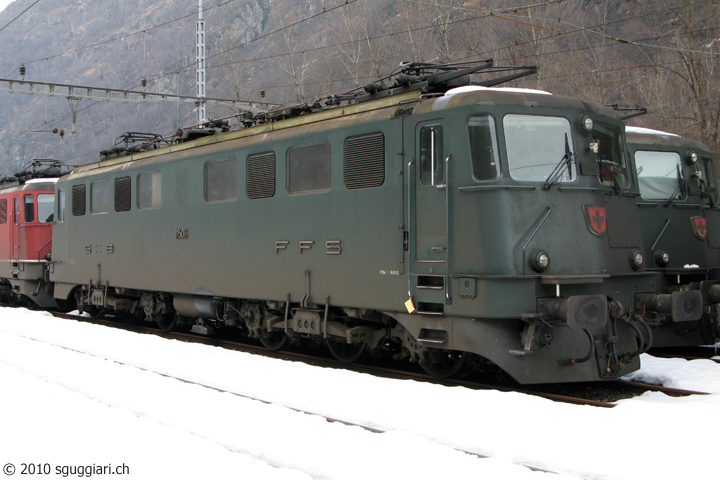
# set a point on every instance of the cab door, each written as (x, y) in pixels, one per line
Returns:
(428, 215)
(431, 235)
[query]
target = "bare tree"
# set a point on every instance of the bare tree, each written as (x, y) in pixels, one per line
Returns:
(694, 62)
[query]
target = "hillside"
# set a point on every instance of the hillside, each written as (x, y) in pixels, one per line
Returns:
(661, 55)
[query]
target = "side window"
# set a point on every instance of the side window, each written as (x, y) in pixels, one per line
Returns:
(708, 182)
(29, 208)
(309, 169)
(611, 147)
(432, 170)
(16, 211)
(100, 197)
(61, 205)
(221, 181)
(3, 210)
(260, 175)
(122, 194)
(149, 190)
(483, 148)
(364, 160)
(46, 207)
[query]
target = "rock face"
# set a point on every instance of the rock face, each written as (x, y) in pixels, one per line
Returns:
(113, 44)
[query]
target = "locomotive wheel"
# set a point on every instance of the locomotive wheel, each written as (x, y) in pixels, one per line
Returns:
(166, 322)
(13, 300)
(345, 352)
(443, 363)
(275, 341)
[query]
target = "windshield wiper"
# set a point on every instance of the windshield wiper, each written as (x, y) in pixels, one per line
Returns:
(560, 168)
(681, 185)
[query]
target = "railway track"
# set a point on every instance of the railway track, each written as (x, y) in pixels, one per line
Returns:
(600, 394)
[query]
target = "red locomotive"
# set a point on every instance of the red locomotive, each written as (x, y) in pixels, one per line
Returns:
(27, 203)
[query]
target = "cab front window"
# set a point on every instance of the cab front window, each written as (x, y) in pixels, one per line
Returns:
(535, 145)
(659, 175)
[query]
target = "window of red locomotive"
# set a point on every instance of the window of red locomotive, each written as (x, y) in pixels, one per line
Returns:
(43, 202)
(45, 207)
(29, 206)
(3, 210)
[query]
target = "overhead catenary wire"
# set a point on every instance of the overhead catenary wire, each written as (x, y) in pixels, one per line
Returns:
(19, 15)
(396, 33)
(119, 37)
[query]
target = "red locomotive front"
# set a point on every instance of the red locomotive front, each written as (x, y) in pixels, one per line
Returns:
(26, 216)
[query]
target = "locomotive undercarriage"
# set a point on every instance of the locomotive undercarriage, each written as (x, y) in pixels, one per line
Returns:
(596, 341)
(688, 311)
(348, 333)
(565, 340)
(28, 286)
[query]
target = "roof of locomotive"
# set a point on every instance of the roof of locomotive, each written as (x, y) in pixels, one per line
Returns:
(511, 97)
(639, 136)
(382, 108)
(36, 184)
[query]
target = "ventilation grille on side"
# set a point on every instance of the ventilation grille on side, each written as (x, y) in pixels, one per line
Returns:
(261, 175)
(78, 200)
(365, 161)
(122, 194)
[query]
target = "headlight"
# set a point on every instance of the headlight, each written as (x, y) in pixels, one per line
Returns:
(540, 260)
(636, 259)
(662, 257)
(588, 124)
(692, 158)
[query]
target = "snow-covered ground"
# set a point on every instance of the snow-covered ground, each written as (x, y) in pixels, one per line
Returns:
(80, 400)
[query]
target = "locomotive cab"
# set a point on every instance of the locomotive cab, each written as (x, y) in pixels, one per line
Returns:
(521, 207)
(26, 216)
(680, 222)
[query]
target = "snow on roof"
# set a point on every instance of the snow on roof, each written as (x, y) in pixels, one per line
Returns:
(648, 131)
(476, 88)
(42, 180)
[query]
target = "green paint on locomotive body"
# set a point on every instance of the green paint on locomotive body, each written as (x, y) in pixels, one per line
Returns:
(680, 215)
(459, 247)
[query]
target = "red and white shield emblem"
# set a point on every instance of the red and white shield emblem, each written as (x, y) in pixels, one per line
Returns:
(699, 226)
(595, 219)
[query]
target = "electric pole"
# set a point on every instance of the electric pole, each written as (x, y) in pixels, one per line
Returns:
(200, 54)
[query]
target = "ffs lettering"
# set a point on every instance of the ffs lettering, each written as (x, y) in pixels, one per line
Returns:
(332, 247)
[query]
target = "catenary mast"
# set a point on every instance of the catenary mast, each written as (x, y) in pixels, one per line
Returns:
(200, 54)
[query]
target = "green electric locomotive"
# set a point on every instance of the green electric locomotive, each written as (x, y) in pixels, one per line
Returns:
(454, 225)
